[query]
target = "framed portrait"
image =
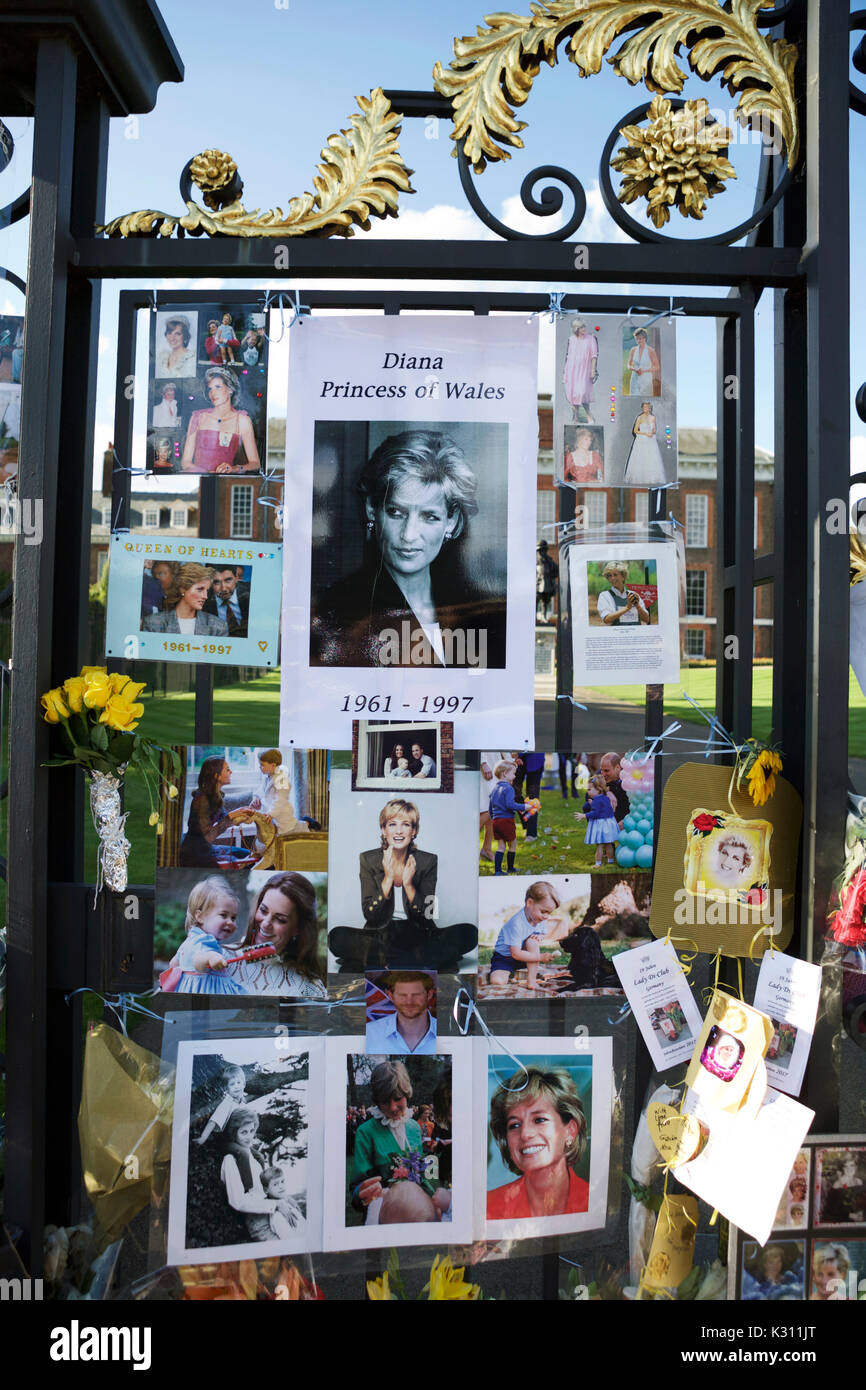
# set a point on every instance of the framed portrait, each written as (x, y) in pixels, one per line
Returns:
(386, 756)
(191, 600)
(615, 403)
(407, 1181)
(251, 931)
(207, 389)
(725, 872)
(246, 1154)
(410, 482)
(238, 808)
(402, 878)
(545, 1130)
(625, 613)
(840, 1185)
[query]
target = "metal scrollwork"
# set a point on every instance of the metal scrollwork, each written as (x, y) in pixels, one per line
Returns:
(361, 175)
(546, 205)
(493, 71)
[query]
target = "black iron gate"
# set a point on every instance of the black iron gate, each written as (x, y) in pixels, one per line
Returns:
(71, 75)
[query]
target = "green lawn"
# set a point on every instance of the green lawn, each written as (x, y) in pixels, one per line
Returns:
(700, 683)
(249, 714)
(560, 847)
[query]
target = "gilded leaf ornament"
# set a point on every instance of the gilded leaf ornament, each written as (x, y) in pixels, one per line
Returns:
(492, 72)
(361, 174)
(675, 161)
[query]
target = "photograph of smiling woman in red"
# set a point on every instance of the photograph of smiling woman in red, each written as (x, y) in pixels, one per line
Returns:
(538, 1122)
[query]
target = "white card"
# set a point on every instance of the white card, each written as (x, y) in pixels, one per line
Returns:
(625, 623)
(788, 990)
(662, 1003)
(744, 1168)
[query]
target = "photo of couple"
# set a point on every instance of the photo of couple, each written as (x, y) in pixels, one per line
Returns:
(200, 600)
(386, 755)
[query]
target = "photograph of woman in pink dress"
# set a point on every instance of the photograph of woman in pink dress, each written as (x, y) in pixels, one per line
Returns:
(221, 439)
(581, 370)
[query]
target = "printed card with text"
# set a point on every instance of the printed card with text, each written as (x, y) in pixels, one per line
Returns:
(788, 990)
(663, 1004)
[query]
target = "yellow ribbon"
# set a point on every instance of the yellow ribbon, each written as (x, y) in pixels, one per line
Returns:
(685, 961)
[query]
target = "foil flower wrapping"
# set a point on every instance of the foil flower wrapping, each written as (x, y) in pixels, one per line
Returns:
(109, 821)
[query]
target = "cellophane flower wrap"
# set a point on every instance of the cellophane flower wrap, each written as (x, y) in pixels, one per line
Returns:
(96, 714)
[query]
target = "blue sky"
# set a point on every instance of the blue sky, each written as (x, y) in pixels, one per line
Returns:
(268, 83)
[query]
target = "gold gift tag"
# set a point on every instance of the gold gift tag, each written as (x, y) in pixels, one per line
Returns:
(677, 1137)
(672, 1251)
(727, 1069)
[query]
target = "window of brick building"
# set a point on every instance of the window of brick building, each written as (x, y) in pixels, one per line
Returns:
(696, 519)
(596, 507)
(696, 643)
(242, 511)
(696, 593)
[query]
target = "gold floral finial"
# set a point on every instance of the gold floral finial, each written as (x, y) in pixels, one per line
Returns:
(212, 170)
(675, 161)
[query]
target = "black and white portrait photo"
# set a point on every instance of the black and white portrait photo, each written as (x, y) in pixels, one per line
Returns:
(246, 1150)
(410, 469)
(409, 563)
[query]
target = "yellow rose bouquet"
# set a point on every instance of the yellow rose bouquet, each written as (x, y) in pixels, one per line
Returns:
(97, 714)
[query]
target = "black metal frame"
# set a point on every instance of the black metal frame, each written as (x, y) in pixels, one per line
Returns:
(56, 939)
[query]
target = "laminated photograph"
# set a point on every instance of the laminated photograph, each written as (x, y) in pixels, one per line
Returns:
(556, 934)
(398, 1146)
(661, 1000)
(411, 485)
(615, 401)
(246, 808)
(543, 1135)
(207, 389)
(246, 1150)
(788, 991)
(624, 599)
(210, 601)
(403, 884)
(247, 932)
(400, 1010)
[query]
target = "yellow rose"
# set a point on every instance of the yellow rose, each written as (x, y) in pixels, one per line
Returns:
(120, 713)
(378, 1290)
(90, 670)
(172, 791)
(97, 689)
(54, 706)
(153, 818)
(74, 688)
(120, 683)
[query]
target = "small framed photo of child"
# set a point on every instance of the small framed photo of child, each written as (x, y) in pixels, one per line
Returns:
(397, 1146)
(207, 390)
(388, 755)
(246, 1153)
(400, 1008)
